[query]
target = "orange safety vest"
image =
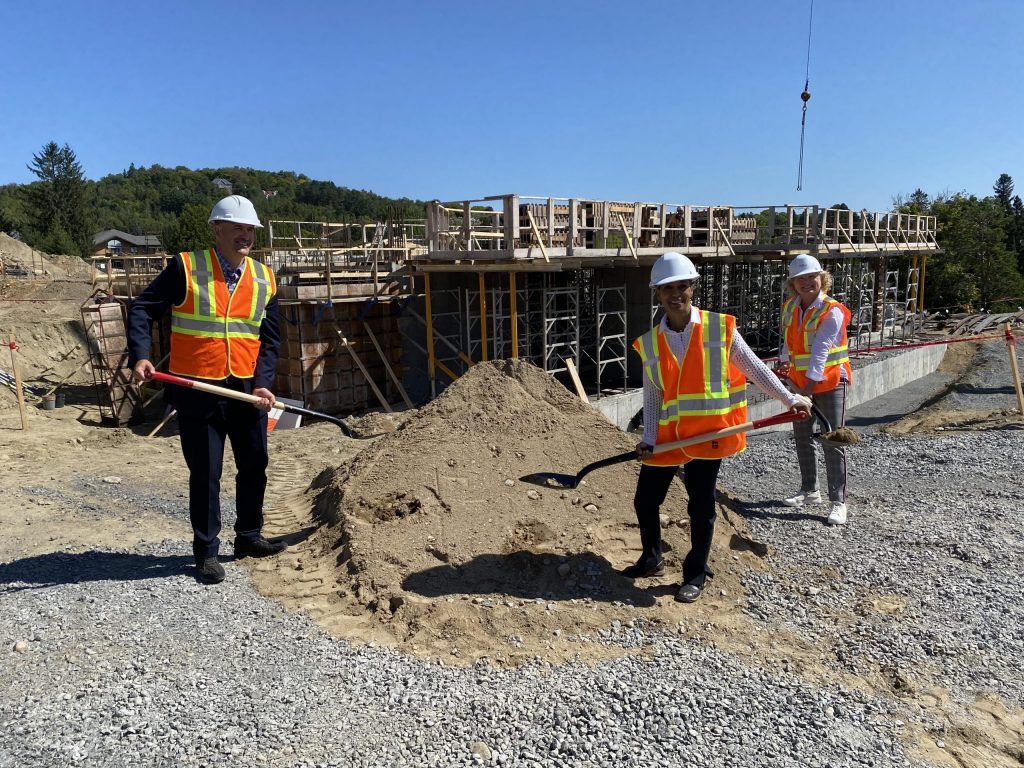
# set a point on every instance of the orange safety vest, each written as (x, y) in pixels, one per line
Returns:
(800, 340)
(704, 394)
(216, 334)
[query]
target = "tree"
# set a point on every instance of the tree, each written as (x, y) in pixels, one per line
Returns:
(57, 202)
(191, 231)
(972, 232)
(1003, 190)
(1017, 231)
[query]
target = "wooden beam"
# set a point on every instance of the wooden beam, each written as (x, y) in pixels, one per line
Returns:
(629, 239)
(366, 374)
(167, 417)
(18, 385)
(536, 233)
(571, 367)
(1011, 344)
(387, 364)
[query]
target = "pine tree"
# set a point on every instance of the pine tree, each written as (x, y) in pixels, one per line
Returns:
(58, 202)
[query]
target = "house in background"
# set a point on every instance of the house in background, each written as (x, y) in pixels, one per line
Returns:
(223, 184)
(114, 242)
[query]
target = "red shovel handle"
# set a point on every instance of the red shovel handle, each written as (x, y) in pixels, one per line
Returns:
(779, 418)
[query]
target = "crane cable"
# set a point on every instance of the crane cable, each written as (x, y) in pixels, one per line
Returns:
(805, 97)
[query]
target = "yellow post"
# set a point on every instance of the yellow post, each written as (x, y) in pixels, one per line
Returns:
(915, 289)
(483, 319)
(920, 285)
(431, 359)
(514, 314)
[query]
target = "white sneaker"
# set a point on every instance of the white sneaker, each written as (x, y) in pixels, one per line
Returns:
(804, 497)
(838, 514)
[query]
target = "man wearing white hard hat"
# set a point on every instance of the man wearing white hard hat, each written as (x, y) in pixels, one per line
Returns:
(695, 366)
(814, 357)
(225, 330)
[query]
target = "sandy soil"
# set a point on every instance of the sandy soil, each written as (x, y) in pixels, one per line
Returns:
(423, 537)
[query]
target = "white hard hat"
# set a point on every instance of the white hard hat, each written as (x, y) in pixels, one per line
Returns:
(804, 264)
(236, 209)
(671, 267)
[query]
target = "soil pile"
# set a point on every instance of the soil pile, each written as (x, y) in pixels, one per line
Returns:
(429, 540)
(45, 317)
(23, 261)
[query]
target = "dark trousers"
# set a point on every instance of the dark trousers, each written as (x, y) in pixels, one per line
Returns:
(700, 477)
(204, 421)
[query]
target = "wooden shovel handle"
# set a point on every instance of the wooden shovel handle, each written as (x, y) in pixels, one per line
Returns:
(202, 386)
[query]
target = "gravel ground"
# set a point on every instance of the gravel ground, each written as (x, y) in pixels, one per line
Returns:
(121, 658)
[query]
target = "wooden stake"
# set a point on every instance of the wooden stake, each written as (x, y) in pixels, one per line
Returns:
(164, 420)
(53, 389)
(536, 233)
(366, 374)
(629, 240)
(571, 366)
(387, 365)
(1011, 344)
(18, 386)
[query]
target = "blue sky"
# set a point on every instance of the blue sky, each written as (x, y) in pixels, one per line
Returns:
(678, 102)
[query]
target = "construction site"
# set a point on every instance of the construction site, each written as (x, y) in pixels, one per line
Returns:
(388, 315)
(490, 340)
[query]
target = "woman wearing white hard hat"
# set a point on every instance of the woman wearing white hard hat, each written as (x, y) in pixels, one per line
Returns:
(695, 367)
(815, 358)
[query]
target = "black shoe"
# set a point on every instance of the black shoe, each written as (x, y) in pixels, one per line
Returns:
(258, 547)
(642, 569)
(209, 570)
(688, 593)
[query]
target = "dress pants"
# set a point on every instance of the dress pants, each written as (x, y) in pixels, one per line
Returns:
(204, 421)
(833, 405)
(700, 477)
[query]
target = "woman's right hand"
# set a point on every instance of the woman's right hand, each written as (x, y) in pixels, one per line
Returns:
(644, 451)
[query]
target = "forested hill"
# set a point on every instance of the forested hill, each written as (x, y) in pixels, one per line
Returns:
(152, 200)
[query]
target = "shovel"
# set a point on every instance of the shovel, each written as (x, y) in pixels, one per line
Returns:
(556, 480)
(202, 386)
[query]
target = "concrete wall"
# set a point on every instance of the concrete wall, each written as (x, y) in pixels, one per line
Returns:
(872, 377)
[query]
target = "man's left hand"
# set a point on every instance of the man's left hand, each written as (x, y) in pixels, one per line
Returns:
(266, 397)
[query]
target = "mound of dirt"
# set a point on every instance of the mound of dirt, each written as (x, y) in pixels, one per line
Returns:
(428, 539)
(22, 261)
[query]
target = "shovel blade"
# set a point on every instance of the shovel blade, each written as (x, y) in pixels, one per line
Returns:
(551, 480)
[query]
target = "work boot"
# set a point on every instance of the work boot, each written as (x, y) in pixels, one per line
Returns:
(209, 570)
(838, 514)
(258, 547)
(688, 593)
(644, 568)
(802, 498)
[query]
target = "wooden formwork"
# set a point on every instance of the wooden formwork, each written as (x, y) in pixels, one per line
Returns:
(103, 318)
(326, 349)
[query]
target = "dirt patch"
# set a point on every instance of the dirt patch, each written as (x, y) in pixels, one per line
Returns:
(940, 416)
(432, 543)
